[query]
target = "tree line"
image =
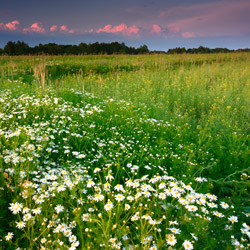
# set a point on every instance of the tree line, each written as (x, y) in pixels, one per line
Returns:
(203, 50)
(22, 48)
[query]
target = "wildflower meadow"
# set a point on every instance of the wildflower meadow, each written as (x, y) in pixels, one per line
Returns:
(125, 152)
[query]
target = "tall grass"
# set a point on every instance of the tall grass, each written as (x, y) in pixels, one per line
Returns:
(135, 118)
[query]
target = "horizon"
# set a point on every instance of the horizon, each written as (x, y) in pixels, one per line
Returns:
(161, 25)
(165, 51)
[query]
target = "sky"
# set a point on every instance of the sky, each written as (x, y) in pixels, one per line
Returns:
(160, 24)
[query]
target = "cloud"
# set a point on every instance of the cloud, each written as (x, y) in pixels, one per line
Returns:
(65, 29)
(156, 29)
(222, 18)
(53, 28)
(12, 26)
(122, 28)
(188, 34)
(174, 29)
(35, 27)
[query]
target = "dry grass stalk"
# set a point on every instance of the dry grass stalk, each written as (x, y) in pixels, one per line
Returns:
(40, 73)
(57, 86)
(3, 74)
(43, 78)
(101, 81)
(83, 87)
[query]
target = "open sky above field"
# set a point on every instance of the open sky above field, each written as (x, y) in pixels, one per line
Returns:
(160, 24)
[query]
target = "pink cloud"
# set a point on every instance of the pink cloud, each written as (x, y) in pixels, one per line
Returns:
(174, 29)
(122, 28)
(53, 28)
(156, 29)
(13, 25)
(222, 18)
(10, 26)
(89, 31)
(35, 27)
(65, 29)
(188, 34)
(2, 26)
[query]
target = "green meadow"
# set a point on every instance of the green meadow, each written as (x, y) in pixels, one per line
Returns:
(125, 152)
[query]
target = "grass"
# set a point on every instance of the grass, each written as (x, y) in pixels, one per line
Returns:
(125, 152)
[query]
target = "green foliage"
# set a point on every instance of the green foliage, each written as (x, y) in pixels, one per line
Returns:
(134, 118)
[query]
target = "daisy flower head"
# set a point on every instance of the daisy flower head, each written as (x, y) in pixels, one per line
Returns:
(67, 232)
(173, 223)
(154, 247)
(171, 240)
(74, 245)
(26, 210)
(218, 214)
(162, 185)
(119, 187)
(61, 188)
(175, 230)
(106, 186)
(127, 206)
(43, 240)
(162, 196)
(85, 217)
(96, 170)
(119, 197)
(135, 217)
(72, 238)
(246, 226)
(191, 208)
(188, 245)
(129, 183)
(212, 205)
(20, 225)
(9, 236)
(129, 165)
(109, 177)
(27, 217)
(90, 184)
(233, 219)
(15, 208)
(36, 210)
(224, 205)
(98, 197)
(59, 208)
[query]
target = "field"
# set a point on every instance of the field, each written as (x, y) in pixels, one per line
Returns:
(125, 152)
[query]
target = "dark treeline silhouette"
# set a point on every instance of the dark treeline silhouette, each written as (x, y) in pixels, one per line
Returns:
(203, 50)
(22, 48)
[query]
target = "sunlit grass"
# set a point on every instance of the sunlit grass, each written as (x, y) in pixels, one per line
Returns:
(125, 152)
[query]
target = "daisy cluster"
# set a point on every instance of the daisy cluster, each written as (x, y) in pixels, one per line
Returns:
(88, 174)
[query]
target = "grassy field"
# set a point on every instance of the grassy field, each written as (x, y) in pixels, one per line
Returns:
(125, 152)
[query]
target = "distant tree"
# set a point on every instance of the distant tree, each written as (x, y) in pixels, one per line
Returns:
(177, 50)
(94, 48)
(82, 48)
(21, 48)
(143, 49)
(200, 50)
(203, 50)
(9, 48)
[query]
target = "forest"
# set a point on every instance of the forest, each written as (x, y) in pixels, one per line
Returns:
(22, 48)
